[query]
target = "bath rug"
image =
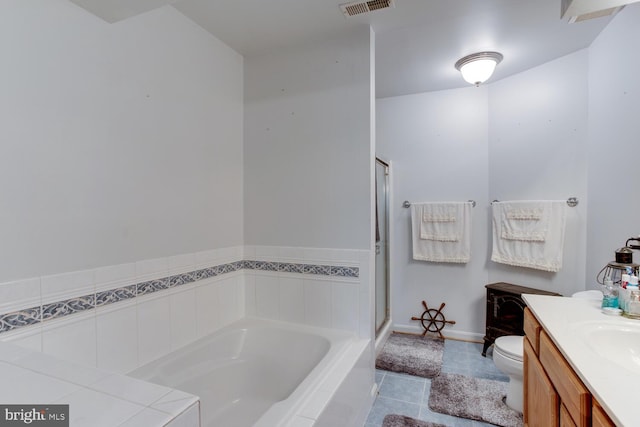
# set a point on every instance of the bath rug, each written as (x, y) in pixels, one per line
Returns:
(393, 420)
(412, 354)
(474, 398)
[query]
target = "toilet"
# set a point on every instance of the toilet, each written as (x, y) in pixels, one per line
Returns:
(507, 355)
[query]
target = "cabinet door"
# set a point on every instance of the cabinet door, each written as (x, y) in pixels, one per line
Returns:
(599, 417)
(532, 329)
(574, 395)
(541, 401)
(565, 418)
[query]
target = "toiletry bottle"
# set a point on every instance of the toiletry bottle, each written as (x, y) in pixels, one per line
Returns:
(609, 294)
(631, 286)
(624, 280)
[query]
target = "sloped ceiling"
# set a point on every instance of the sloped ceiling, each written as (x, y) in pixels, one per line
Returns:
(417, 42)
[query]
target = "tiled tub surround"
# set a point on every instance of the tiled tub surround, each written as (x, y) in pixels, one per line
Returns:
(95, 397)
(30, 316)
(120, 317)
(293, 386)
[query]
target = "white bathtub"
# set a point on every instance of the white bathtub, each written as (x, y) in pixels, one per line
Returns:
(252, 372)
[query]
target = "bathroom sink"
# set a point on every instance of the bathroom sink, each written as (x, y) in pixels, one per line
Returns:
(616, 342)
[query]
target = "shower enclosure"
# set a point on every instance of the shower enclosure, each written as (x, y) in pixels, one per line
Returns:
(382, 245)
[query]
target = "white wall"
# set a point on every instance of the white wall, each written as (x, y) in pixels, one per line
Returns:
(307, 145)
(120, 142)
(537, 150)
(614, 149)
(520, 138)
(308, 161)
(437, 145)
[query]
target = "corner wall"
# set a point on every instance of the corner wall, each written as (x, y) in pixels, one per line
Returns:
(520, 138)
(308, 161)
(437, 145)
(538, 151)
(120, 142)
(614, 149)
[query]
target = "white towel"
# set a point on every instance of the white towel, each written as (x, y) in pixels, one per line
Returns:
(441, 232)
(529, 233)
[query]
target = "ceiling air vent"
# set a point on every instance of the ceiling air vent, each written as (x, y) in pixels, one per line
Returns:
(359, 7)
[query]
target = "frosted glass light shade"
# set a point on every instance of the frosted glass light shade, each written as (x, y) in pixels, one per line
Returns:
(478, 67)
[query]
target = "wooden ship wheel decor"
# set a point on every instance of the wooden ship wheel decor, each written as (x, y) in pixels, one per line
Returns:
(433, 320)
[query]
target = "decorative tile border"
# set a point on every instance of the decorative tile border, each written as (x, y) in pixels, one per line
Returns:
(54, 310)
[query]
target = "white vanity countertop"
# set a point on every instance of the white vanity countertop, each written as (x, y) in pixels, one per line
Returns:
(568, 322)
(95, 397)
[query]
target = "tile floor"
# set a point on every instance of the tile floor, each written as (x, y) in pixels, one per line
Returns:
(409, 395)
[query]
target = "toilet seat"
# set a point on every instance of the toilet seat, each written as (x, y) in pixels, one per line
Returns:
(511, 346)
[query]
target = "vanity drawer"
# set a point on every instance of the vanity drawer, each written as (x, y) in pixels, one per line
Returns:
(573, 394)
(532, 330)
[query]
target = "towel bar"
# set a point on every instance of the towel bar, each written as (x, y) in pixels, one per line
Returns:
(407, 204)
(572, 202)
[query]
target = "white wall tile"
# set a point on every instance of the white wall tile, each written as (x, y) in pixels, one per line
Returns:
(98, 409)
(29, 337)
(151, 269)
(290, 254)
(154, 329)
(241, 298)
(131, 389)
(267, 296)
(345, 256)
(266, 253)
(345, 307)
(228, 300)
(249, 252)
(317, 303)
(48, 389)
(114, 276)
(207, 308)
(61, 369)
(176, 402)
(71, 338)
(189, 418)
(67, 285)
(249, 293)
(317, 255)
(206, 258)
(117, 338)
(10, 352)
(181, 263)
(183, 318)
(291, 299)
(148, 417)
(19, 295)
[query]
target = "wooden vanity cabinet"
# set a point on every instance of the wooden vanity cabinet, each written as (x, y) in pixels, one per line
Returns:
(554, 396)
(540, 398)
(599, 418)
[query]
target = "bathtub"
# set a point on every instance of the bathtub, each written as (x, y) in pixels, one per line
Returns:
(254, 372)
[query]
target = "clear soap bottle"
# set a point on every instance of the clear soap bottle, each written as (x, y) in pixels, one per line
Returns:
(609, 294)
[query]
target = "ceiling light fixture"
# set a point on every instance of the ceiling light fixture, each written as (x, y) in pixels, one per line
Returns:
(478, 67)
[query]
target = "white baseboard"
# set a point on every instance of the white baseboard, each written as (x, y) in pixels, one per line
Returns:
(382, 338)
(456, 335)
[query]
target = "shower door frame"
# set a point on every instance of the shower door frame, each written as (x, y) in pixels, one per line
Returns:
(387, 276)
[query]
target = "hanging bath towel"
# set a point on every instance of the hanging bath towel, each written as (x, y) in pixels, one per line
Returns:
(529, 233)
(441, 232)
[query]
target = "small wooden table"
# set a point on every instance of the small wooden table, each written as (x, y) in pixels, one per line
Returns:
(505, 310)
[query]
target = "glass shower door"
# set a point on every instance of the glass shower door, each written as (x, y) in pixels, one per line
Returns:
(382, 245)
